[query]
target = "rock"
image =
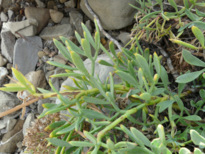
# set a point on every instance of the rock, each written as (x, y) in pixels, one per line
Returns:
(65, 20)
(10, 124)
(41, 54)
(10, 139)
(49, 33)
(10, 14)
(24, 28)
(60, 59)
(55, 81)
(41, 15)
(70, 4)
(9, 66)
(37, 78)
(124, 37)
(40, 4)
(114, 14)
(88, 25)
(3, 61)
(26, 53)
(62, 1)
(4, 121)
(76, 18)
(5, 3)
(3, 73)
(27, 123)
(4, 17)
(51, 4)
(56, 16)
(8, 101)
(7, 45)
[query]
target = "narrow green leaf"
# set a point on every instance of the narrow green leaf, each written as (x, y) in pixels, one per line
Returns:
(192, 16)
(164, 105)
(81, 144)
(72, 47)
(13, 89)
(58, 142)
(192, 118)
(188, 77)
(112, 49)
(66, 130)
(54, 125)
(94, 100)
(173, 4)
(61, 65)
(62, 49)
(66, 75)
(90, 137)
(78, 63)
(103, 62)
(157, 64)
(189, 58)
(160, 130)
(86, 47)
(199, 13)
(88, 35)
(148, 16)
(184, 44)
(198, 34)
(128, 78)
(141, 136)
(91, 114)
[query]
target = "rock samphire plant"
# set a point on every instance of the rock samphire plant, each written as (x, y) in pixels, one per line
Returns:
(138, 112)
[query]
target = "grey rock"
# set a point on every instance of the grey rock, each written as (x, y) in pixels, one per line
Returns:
(55, 81)
(88, 25)
(18, 27)
(3, 61)
(70, 4)
(7, 45)
(10, 124)
(5, 3)
(26, 53)
(65, 20)
(8, 101)
(40, 14)
(3, 73)
(11, 138)
(27, 123)
(49, 33)
(4, 17)
(114, 14)
(56, 16)
(76, 18)
(4, 121)
(124, 37)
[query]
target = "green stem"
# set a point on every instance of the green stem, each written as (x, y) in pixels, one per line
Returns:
(117, 121)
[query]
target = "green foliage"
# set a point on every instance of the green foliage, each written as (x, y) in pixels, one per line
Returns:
(106, 117)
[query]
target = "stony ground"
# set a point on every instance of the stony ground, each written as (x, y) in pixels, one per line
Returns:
(27, 30)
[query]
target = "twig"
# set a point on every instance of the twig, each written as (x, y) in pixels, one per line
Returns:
(19, 107)
(100, 26)
(169, 62)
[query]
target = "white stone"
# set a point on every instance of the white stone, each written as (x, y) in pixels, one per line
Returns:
(4, 17)
(17, 27)
(10, 124)
(3, 73)
(27, 122)
(124, 37)
(10, 14)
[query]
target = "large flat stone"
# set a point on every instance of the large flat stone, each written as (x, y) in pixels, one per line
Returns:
(26, 53)
(49, 33)
(114, 14)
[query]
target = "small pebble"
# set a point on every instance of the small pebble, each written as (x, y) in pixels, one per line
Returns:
(41, 54)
